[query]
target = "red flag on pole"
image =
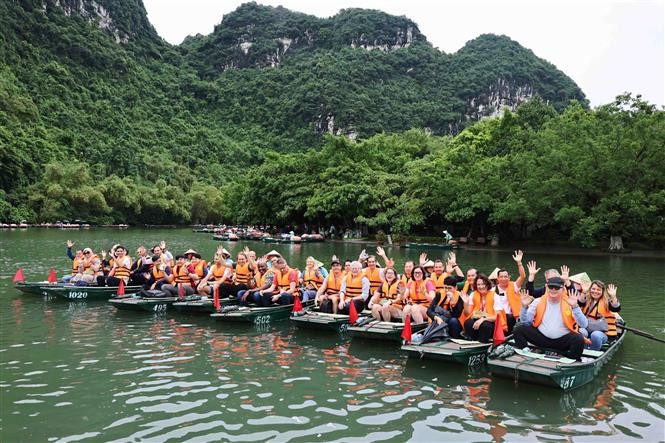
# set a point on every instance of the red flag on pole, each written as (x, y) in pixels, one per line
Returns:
(51, 276)
(218, 307)
(182, 291)
(499, 336)
(406, 332)
(18, 276)
(121, 288)
(297, 306)
(353, 314)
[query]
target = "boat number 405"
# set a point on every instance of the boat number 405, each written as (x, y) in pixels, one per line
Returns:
(567, 382)
(262, 319)
(77, 294)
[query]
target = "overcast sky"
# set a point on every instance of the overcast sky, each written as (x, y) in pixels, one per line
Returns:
(606, 46)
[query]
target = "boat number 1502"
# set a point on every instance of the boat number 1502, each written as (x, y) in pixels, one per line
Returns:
(77, 294)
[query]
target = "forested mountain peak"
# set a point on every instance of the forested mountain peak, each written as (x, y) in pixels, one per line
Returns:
(124, 20)
(258, 36)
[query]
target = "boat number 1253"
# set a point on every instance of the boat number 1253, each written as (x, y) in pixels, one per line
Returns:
(77, 294)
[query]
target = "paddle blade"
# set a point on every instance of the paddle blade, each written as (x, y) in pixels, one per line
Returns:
(121, 288)
(18, 276)
(499, 336)
(406, 332)
(182, 291)
(297, 305)
(51, 276)
(218, 306)
(353, 314)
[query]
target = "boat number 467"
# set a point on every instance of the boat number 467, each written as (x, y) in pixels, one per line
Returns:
(77, 294)
(567, 382)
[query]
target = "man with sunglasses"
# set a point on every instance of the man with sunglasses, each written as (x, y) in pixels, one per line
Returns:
(553, 321)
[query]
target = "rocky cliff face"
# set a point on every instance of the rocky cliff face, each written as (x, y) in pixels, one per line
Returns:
(498, 96)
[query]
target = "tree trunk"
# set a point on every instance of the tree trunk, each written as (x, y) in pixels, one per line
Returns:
(616, 243)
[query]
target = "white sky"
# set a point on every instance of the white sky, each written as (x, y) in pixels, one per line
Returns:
(606, 46)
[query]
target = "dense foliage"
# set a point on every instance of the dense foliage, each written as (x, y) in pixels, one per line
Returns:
(115, 125)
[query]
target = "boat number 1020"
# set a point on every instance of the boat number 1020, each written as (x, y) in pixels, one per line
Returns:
(77, 294)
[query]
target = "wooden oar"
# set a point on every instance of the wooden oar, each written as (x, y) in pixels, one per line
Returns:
(643, 334)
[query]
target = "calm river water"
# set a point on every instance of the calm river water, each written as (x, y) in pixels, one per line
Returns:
(85, 372)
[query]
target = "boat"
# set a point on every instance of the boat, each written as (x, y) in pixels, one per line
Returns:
(415, 245)
(149, 304)
(383, 330)
(467, 352)
(33, 288)
(554, 371)
(72, 292)
(257, 315)
(201, 305)
(314, 319)
(220, 237)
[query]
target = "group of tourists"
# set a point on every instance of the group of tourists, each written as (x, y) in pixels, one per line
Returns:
(568, 314)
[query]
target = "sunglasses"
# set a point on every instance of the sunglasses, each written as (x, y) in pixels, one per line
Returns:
(87, 252)
(554, 287)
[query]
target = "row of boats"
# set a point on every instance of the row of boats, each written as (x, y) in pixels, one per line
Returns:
(542, 368)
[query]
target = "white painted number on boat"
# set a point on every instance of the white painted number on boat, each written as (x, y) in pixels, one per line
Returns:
(343, 327)
(567, 382)
(261, 319)
(77, 294)
(159, 308)
(476, 360)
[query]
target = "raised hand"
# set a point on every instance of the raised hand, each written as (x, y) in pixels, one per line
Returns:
(70, 243)
(452, 258)
(572, 297)
(103, 254)
(422, 258)
(565, 272)
(525, 298)
(517, 256)
(380, 251)
(162, 244)
(465, 297)
(532, 267)
(612, 292)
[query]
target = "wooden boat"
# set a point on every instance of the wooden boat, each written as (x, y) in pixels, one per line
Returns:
(149, 304)
(220, 237)
(314, 319)
(202, 305)
(558, 372)
(71, 292)
(415, 245)
(383, 330)
(467, 352)
(257, 315)
(33, 288)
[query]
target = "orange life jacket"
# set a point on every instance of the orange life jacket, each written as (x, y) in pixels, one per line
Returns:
(566, 314)
(334, 284)
(157, 274)
(218, 271)
(445, 304)
(181, 274)
(310, 278)
(200, 268)
(438, 280)
(354, 286)
(283, 280)
(601, 309)
(75, 265)
(417, 293)
(374, 277)
(123, 271)
(242, 274)
(390, 292)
